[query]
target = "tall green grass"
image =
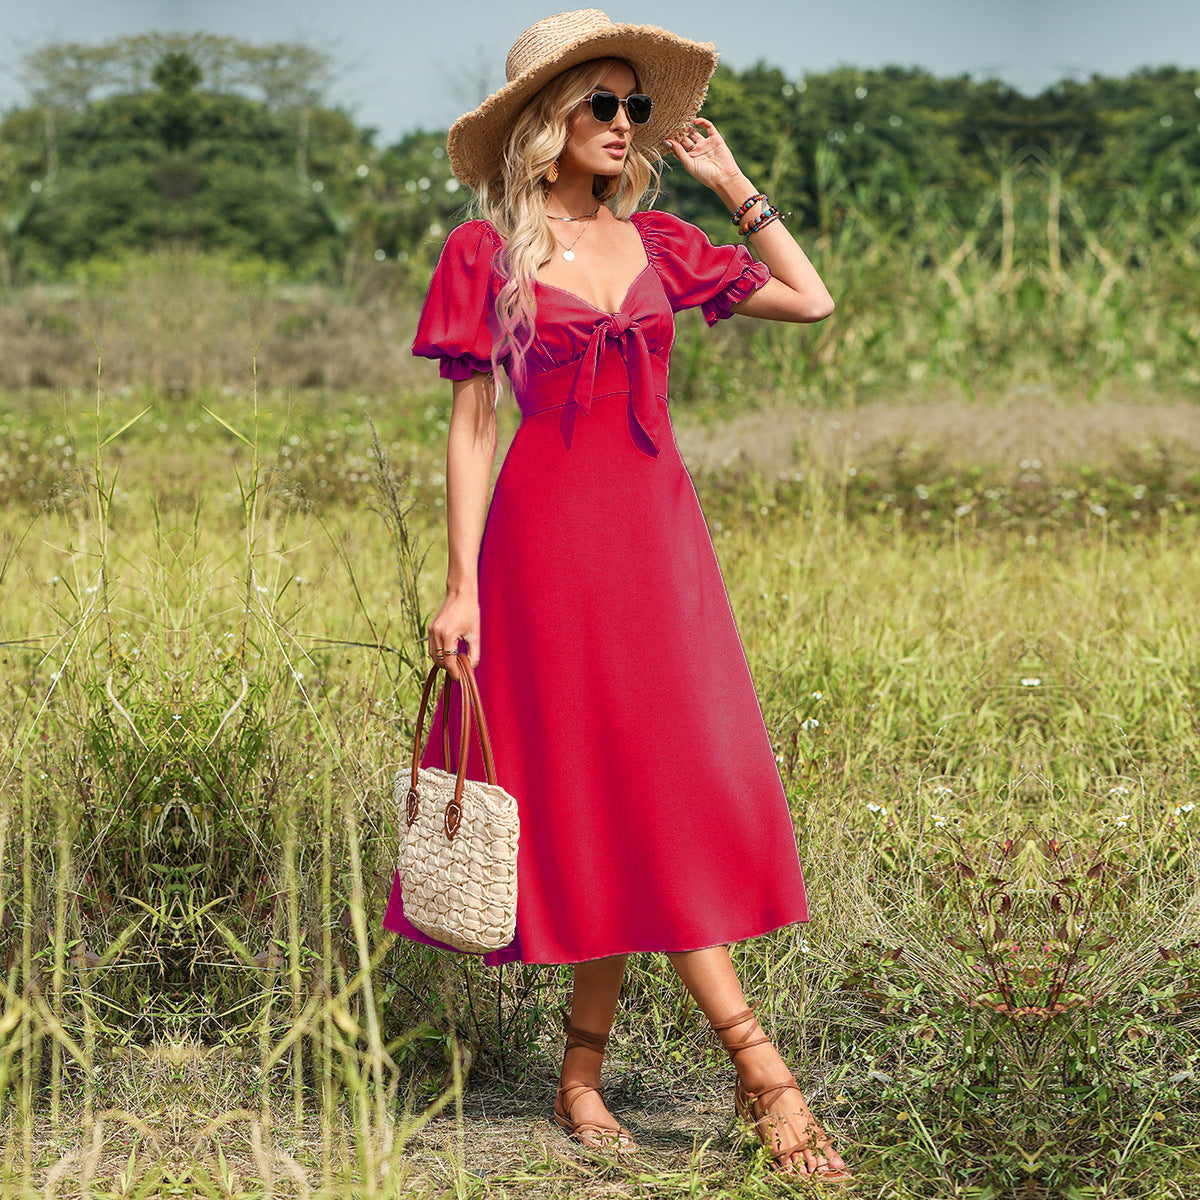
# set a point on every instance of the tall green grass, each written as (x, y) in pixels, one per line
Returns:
(988, 738)
(160, 900)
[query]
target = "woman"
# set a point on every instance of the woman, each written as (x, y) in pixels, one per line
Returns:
(620, 706)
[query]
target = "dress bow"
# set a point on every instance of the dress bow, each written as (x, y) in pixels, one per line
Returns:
(623, 329)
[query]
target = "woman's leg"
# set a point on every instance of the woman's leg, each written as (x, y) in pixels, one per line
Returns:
(594, 997)
(710, 977)
(595, 993)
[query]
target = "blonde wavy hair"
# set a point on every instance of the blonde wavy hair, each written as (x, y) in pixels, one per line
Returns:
(515, 200)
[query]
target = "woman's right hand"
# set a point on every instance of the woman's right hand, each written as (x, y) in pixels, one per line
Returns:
(457, 620)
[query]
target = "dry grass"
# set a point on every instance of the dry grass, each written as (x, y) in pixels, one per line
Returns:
(1057, 430)
(180, 325)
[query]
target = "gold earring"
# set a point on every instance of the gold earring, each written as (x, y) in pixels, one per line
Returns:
(552, 174)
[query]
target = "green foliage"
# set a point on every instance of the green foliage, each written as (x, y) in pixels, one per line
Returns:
(883, 153)
(170, 166)
(263, 214)
(81, 215)
(869, 140)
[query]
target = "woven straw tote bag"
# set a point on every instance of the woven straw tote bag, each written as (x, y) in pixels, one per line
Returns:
(458, 836)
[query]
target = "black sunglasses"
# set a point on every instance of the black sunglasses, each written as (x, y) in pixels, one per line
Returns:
(605, 105)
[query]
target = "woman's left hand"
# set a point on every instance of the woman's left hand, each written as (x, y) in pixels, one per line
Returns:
(704, 154)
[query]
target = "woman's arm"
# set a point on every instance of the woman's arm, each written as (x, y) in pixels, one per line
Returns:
(795, 292)
(470, 453)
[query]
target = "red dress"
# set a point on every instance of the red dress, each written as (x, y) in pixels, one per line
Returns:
(620, 707)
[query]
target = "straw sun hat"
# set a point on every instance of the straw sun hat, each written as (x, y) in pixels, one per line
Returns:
(672, 70)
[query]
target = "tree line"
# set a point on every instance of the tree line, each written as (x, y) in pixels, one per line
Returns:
(222, 145)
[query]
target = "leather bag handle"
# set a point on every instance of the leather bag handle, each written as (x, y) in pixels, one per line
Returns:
(471, 704)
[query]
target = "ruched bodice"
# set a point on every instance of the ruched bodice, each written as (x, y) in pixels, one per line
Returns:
(621, 355)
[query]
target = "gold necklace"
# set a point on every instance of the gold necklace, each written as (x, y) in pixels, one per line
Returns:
(569, 252)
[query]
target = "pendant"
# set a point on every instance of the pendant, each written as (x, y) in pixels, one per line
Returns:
(569, 255)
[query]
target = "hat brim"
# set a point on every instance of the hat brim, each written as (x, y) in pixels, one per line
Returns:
(672, 70)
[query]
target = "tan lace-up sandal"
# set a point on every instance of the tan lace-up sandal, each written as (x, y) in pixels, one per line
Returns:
(589, 1134)
(752, 1108)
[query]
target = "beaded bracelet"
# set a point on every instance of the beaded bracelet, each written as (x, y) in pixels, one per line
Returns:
(745, 208)
(763, 220)
(768, 214)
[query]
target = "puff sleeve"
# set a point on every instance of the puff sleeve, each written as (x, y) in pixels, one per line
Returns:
(695, 272)
(455, 325)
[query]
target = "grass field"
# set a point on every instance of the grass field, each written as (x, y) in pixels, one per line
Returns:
(980, 672)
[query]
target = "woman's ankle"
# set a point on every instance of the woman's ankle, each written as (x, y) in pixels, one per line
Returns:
(755, 1059)
(581, 1064)
(761, 1066)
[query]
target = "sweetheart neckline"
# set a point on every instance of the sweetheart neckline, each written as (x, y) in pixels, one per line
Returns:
(632, 284)
(588, 303)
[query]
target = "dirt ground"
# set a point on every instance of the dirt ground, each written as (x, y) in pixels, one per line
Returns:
(170, 1118)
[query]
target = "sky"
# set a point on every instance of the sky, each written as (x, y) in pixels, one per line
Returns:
(405, 65)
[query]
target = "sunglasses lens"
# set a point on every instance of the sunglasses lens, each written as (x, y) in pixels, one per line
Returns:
(604, 106)
(638, 107)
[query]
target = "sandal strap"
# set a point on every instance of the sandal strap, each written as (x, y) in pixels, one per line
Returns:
(745, 1015)
(566, 1095)
(574, 1091)
(614, 1132)
(612, 1135)
(788, 1085)
(735, 1048)
(804, 1142)
(581, 1037)
(811, 1135)
(812, 1131)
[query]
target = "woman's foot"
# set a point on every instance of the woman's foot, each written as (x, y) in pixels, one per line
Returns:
(580, 1109)
(769, 1098)
(579, 1105)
